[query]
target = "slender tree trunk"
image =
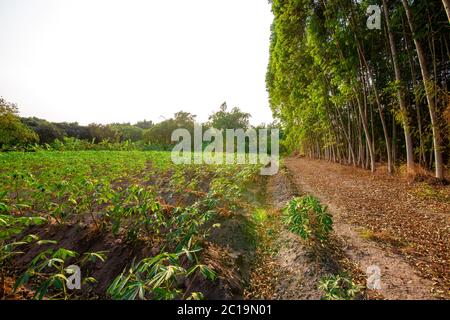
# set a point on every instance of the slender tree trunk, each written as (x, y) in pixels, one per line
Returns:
(400, 93)
(422, 153)
(366, 164)
(346, 135)
(380, 108)
(422, 156)
(350, 143)
(386, 134)
(366, 132)
(360, 142)
(439, 165)
(394, 142)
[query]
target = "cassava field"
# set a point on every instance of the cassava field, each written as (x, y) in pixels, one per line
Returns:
(140, 227)
(332, 116)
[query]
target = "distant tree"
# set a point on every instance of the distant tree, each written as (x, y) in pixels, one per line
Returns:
(128, 132)
(235, 119)
(12, 130)
(185, 120)
(144, 124)
(161, 133)
(74, 130)
(100, 132)
(47, 131)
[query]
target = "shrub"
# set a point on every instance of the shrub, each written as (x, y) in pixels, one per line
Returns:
(309, 219)
(339, 287)
(12, 131)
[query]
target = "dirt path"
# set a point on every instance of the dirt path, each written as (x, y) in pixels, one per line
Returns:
(287, 268)
(283, 270)
(384, 222)
(298, 274)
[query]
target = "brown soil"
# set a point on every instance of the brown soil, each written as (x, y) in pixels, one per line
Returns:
(225, 250)
(286, 268)
(299, 274)
(225, 259)
(398, 225)
(385, 221)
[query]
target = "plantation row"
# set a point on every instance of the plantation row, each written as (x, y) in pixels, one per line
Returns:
(87, 208)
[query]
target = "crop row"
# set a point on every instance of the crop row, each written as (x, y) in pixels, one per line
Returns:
(140, 198)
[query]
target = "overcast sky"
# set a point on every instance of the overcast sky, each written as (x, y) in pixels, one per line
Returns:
(125, 60)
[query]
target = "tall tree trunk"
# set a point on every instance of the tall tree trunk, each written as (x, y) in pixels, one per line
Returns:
(369, 144)
(363, 61)
(380, 107)
(439, 165)
(400, 93)
(350, 144)
(346, 135)
(394, 142)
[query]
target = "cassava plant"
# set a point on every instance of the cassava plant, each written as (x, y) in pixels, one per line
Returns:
(339, 287)
(157, 277)
(309, 219)
(50, 272)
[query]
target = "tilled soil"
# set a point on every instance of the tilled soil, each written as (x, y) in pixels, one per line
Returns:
(299, 275)
(286, 268)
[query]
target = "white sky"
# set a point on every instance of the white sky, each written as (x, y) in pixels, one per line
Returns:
(125, 60)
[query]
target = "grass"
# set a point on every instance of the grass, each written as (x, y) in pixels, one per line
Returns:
(426, 192)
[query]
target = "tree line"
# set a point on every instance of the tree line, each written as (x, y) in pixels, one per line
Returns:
(354, 95)
(16, 131)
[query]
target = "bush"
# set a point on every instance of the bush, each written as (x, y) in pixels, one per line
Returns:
(47, 131)
(309, 219)
(12, 131)
(339, 287)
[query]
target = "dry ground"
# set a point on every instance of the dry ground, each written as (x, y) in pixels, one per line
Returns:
(393, 222)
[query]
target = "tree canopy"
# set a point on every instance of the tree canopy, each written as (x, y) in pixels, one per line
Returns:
(345, 92)
(12, 130)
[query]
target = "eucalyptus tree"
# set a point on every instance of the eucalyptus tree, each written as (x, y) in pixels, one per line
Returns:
(429, 86)
(341, 90)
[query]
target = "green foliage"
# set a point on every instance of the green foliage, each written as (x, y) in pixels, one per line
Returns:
(137, 197)
(12, 130)
(161, 133)
(329, 76)
(309, 219)
(339, 287)
(11, 225)
(50, 271)
(144, 124)
(74, 130)
(234, 119)
(157, 277)
(103, 133)
(186, 225)
(47, 131)
(128, 132)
